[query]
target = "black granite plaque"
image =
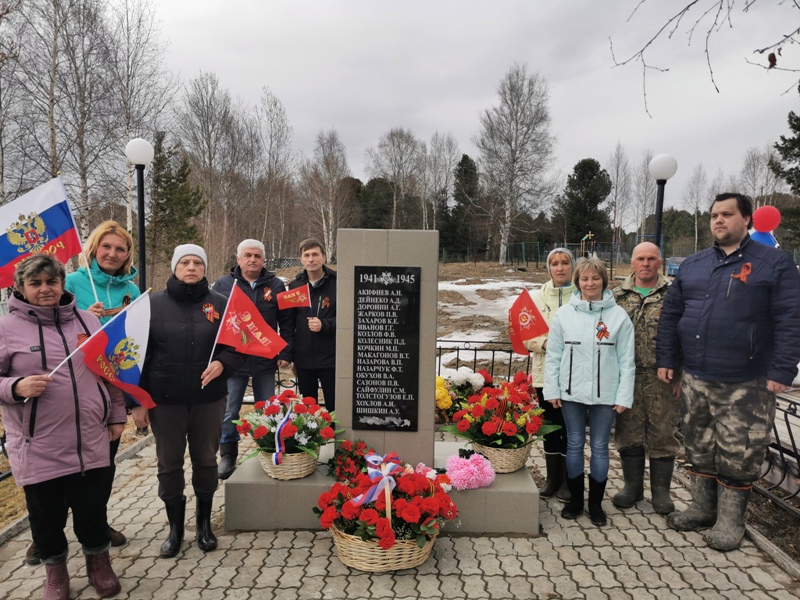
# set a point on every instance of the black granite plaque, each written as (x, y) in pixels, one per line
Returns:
(386, 352)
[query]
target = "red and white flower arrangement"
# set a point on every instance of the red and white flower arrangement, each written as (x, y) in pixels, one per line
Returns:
(288, 424)
(506, 416)
(454, 386)
(390, 502)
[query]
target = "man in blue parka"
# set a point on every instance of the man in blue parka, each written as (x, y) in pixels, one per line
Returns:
(730, 326)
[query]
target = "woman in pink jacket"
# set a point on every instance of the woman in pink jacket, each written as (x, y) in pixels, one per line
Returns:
(58, 427)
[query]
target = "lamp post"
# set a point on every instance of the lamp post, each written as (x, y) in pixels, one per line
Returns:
(140, 153)
(662, 167)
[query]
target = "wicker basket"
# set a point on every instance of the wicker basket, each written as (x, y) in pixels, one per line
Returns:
(369, 556)
(293, 466)
(504, 460)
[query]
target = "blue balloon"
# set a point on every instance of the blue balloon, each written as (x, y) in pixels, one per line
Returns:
(764, 238)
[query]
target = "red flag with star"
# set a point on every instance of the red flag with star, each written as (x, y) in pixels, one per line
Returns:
(525, 322)
(296, 298)
(245, 329)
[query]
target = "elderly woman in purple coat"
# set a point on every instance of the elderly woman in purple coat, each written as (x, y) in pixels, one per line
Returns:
(58, 426)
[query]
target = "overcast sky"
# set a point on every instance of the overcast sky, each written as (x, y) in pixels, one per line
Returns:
(366, 66)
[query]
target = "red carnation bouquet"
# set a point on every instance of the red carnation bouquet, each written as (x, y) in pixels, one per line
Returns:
(349, 460)
(505, 416)
(390, 502)
(297, 424)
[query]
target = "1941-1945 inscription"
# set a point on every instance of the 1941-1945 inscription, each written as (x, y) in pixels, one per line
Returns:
(386, 352)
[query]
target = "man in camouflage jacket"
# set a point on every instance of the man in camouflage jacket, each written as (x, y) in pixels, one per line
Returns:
(650, 425)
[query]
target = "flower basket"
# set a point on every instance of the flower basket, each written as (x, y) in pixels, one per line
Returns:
(293, 466)
(504, 460)
(387, 518)
(369, 556)
(295, 427)
(501, 422)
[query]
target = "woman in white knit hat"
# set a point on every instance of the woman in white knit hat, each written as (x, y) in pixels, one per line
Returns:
(189, 391)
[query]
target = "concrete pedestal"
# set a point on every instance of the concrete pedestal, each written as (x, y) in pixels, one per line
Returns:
(256, 502)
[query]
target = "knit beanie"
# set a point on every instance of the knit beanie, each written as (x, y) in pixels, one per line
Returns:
(187, 250)
(557, 251)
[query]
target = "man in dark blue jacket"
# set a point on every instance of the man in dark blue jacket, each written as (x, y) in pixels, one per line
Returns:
(730, 324)
(262, 287)
(315, 327)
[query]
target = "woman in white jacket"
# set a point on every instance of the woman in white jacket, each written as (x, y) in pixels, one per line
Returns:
(589, 369)
(553, 295)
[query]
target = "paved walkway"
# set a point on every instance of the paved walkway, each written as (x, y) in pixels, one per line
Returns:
(634, 557)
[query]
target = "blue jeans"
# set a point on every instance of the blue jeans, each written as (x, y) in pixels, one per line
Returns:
(601, 418)
(263, 389)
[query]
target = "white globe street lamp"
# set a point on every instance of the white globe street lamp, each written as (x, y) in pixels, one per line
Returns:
(140, 152)
(662, 167)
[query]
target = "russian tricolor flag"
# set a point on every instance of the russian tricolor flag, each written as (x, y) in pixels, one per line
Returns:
(116, 352)
(39, 221)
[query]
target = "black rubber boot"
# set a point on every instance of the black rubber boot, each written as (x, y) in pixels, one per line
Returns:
(563, 494)
(703, 511)
(728, 531)
(205, 537)
(176, 514)
(660, 481)
(228, 453)
(574, 507)
(32, 555)
(555, 475)
(632, 460)
(597, 489)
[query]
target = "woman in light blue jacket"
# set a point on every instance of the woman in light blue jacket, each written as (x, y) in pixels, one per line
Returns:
(589, 369)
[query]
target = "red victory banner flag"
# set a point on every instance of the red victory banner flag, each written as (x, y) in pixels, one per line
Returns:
(244, 329)
(296, 298)
(525, 322)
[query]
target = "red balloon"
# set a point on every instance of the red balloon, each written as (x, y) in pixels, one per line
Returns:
(766, 218)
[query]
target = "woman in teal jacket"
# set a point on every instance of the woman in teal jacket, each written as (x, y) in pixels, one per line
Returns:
(109, 250)
(589, 369)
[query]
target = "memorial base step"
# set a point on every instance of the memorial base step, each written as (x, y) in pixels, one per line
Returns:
(256, 502)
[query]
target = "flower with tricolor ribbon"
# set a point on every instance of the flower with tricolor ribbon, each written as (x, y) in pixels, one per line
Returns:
(380, 470)
(280, 441)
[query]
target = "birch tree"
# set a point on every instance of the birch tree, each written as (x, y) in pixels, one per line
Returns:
(324, 189)
(516, 146)
(618, 168)
(644, 192)
(141, 87)
(695, 197)
(395, 159)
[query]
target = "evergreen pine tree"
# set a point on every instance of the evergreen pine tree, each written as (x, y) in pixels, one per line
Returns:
(173, 204)
(578, 208)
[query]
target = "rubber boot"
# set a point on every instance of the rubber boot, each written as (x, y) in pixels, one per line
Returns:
(228, 453)
(176, 514)
(56, 586)
(728, 531)
(117, 537)
(563, 494)
(574, 507)
(597, 489)
(32, 555)
(554, 475)
(632, 460)
(703, 511)
(660, 480)
(205, 537)
(101, 575)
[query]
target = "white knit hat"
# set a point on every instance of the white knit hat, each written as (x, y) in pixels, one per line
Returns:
(187, 250)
